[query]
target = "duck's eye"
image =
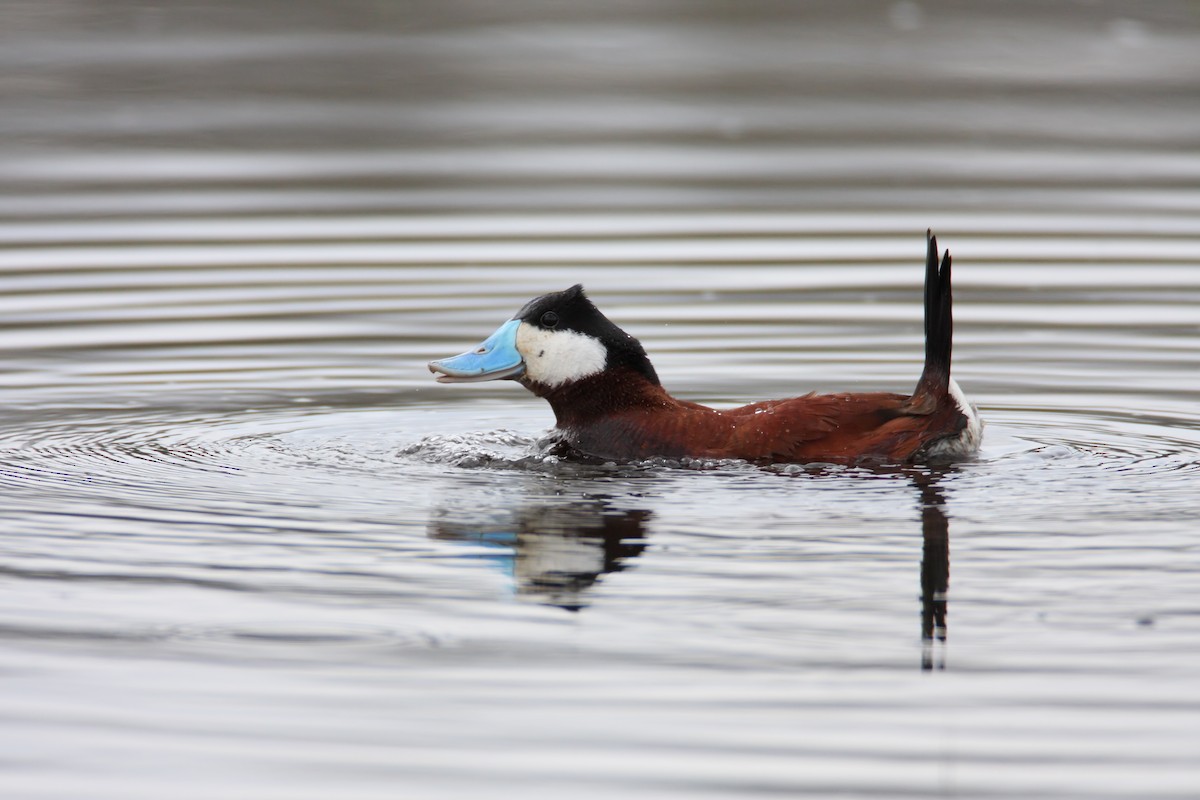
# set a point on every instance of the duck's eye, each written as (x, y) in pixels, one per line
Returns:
(549, 319)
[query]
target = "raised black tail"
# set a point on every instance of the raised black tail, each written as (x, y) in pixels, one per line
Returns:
(939, 332)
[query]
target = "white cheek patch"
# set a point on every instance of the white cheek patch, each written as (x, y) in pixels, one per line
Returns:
(553, 358)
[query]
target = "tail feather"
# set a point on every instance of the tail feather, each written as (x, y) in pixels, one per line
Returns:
(939, 332)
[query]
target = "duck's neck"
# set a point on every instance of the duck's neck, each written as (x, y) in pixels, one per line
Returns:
(613, 391)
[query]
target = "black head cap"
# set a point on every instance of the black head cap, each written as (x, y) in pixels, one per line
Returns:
(571, 310)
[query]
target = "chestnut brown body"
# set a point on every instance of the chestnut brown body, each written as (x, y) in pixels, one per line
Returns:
(626, 418)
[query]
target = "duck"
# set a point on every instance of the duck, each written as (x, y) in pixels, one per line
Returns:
(610, 406)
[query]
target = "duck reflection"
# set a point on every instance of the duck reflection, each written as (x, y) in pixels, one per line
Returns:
(935, 569)
(558, 551)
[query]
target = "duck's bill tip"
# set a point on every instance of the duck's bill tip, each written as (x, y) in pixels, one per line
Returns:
(446, 374)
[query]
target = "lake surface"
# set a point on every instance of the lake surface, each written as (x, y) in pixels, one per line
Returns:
(249, 548)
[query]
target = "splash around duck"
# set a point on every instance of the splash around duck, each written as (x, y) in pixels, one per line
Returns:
(609, 404)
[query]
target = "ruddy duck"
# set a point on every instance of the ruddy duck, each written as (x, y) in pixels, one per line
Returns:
(610, 405)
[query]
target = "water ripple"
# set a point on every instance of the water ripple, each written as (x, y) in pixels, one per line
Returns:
(249, 547)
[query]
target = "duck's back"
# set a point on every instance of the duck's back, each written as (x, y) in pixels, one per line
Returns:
(834, 428)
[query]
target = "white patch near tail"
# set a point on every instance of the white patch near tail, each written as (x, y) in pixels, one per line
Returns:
(967, 441)
(553, 358)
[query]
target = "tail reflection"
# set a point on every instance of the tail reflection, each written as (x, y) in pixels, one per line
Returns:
(557, 551)
(935, 570)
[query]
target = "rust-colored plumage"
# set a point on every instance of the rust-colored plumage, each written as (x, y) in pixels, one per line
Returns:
(625, 418)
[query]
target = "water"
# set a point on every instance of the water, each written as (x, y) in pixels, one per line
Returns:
(250, 549)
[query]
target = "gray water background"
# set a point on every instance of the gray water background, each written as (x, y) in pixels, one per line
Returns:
(248, 548)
